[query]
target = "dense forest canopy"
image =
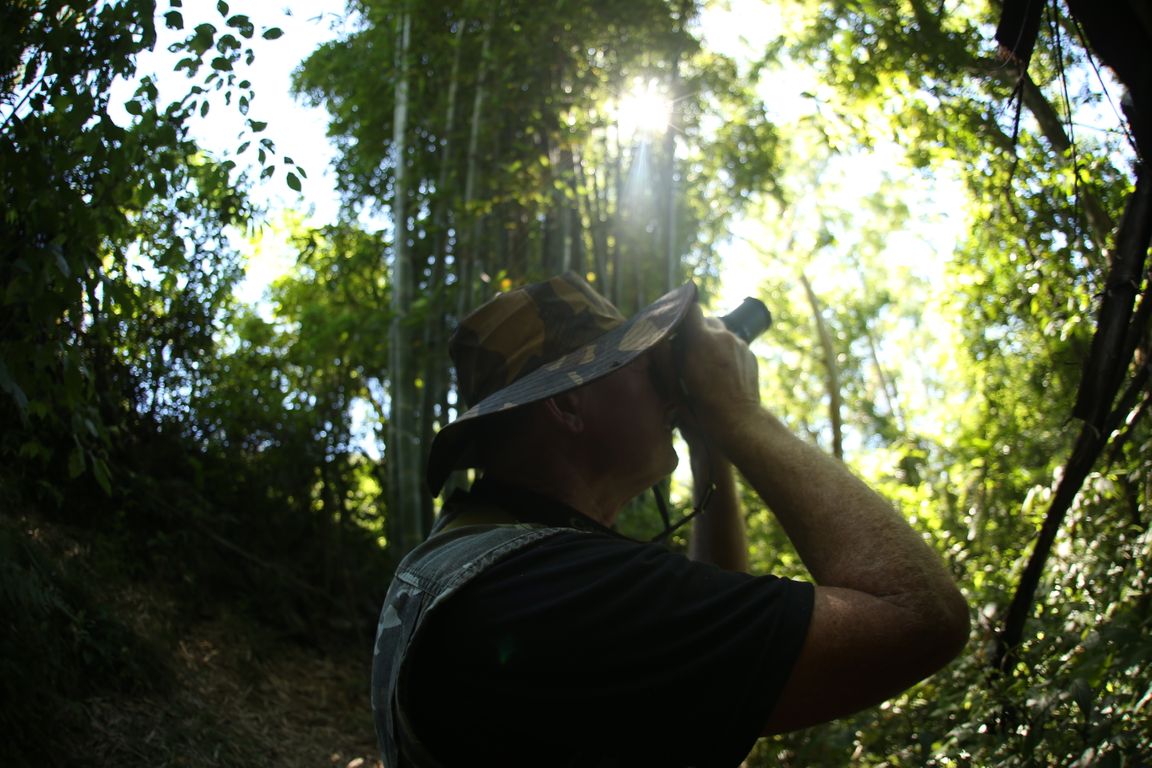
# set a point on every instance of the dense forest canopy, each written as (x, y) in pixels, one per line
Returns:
(943, 204)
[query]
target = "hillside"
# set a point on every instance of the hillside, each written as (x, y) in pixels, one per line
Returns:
(105, 667)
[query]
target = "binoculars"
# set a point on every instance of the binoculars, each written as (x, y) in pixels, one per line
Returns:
(748, 320)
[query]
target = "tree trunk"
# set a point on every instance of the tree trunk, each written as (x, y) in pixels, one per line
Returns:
(831, 368)
(470, 267)
(403, 447)
(887, 387)
(435, 358)
(671, 246)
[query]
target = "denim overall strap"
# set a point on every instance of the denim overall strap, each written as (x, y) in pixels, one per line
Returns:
(427, 576)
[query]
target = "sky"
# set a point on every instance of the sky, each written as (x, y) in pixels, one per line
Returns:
(741, 28)
(299, 131)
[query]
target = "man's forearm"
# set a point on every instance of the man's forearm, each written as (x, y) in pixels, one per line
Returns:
(886, 612)
(847, 535)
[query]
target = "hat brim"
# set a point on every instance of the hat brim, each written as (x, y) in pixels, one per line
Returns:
(454, 446)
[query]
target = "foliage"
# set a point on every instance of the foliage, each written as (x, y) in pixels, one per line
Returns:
(62, 643)
(245, 459)
(511, 165)
(113, 258)
(117, 268)
(1020, 292)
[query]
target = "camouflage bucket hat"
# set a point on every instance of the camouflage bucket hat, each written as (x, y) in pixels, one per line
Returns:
(534, 342)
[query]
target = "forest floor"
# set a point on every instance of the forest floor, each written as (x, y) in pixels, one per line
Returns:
(205, 687)
(240, 698)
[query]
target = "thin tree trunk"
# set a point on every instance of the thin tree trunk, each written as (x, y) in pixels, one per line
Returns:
(594, 206)
(470, 267)
(403, 445)
(618, 222)
(886, 385)
(435, 360)
(832, 382)
(672, 256)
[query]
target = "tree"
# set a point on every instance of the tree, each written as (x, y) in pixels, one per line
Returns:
(93, 206)
(490, 197)
(1023, 284)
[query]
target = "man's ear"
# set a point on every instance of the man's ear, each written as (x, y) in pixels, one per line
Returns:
(565, 410)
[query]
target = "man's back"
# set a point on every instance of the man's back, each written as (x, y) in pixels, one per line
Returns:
(583, 647)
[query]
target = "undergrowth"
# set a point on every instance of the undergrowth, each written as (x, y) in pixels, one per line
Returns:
(190, 618)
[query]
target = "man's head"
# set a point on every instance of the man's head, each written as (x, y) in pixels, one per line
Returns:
(539, 343)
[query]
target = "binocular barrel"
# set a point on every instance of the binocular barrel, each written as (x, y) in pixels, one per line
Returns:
(748, 320)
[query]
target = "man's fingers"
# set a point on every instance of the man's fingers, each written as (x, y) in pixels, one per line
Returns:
(716, 371)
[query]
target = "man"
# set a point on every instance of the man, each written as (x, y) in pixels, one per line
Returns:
(526, 632)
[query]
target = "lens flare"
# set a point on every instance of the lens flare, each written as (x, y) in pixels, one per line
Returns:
(644, 110)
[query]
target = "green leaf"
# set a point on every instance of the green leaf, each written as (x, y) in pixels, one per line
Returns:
(76, 462)
(273, 33)
(222, 7)
(9, 385)
(243, 25)
(100, 472)
(293, 181)
(34, 449)
(148, 89)
(202, 39)
(133, 108)
(174, 20)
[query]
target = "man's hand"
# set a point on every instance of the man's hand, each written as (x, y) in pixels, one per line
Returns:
(715, 376)
(717, 373)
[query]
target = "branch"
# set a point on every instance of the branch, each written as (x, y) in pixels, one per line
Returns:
(1088, 447)
(1051, 125)
(1113, 347)
(1114, 343)
(1135, 411)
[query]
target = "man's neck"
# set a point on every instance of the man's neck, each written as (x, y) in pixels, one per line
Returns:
(531, 506)
(564, 488)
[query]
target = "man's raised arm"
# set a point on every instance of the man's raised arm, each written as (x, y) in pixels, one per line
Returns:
(887, 612)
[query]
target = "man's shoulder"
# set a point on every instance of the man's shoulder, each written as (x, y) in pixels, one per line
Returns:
(453, 557)
(572, 562)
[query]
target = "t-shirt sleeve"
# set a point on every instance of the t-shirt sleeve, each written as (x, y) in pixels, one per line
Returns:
(613, 647)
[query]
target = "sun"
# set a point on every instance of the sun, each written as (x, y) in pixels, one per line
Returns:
(644, 110)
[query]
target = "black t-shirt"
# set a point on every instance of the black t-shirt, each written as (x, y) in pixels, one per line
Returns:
(587, 648)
